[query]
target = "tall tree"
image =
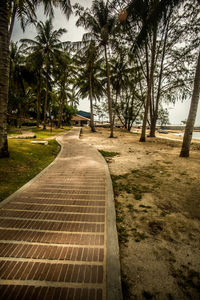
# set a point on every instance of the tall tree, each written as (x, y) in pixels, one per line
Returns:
(64, 79)
(34, 62)
(4, 77)
(89, 77)
(157, 13)
(19, 88)
(8, 12)
(47, 45)
(101, 23)
(185, 150)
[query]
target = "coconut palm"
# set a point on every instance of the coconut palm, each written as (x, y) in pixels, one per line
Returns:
(121, 71)
(192, 113)
(9, 9)
(159, 11)
(21, 94)
(89, 78)
(64, 77)
(89, 75)
(101, 24)
(48, 46)
(34, 63)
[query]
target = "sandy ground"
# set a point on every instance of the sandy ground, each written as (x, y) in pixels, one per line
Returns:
(157, 198)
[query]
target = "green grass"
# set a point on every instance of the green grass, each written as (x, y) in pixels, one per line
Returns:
(108, 154)
(39, 132)
(25, 161)
(42, 134)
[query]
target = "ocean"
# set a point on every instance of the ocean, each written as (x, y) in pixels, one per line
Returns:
(195, 135)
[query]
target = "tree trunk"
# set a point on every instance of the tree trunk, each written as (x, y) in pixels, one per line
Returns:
(155, 111)
(143, 134)
(115, 106)
(91, 106)
(153, 124)
(108, 93)
(38, 102)
(12, 21)
(45, 101)
(4, 77)
(61, 106)
(192, 113)
(60, 112)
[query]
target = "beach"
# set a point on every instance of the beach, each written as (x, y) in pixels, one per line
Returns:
(158, 213)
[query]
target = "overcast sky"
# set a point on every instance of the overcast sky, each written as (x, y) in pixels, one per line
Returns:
(177, 112)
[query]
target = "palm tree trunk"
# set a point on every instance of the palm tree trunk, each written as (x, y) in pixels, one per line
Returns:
(61, 106)
(45, 101)
(192, 113)
(91, 106)
(143, 134)
(115, 107)
(38, 102)
(4, 77)
(13, 14)
(155, 111)
(108, 93)
(60, 113)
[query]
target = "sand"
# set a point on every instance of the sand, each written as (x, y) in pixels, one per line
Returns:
(157, 200)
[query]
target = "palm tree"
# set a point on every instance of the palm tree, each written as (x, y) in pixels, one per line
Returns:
(4, 71)
(21, 87)
(192, 113)
(48, 46)
(64, 77)
(157, 12)
(101, 23)
(8, 11)
(89, 78)
(34, 63)
(140, 11)
(90, 85)
(160, 10)
(121, 71)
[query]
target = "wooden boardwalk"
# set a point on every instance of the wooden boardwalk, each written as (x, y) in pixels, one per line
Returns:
(53, 231)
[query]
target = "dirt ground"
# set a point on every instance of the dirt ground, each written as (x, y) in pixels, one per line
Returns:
(157, 198)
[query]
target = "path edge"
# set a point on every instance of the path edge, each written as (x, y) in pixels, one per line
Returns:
(113, 269)
(26, 185)
(113, 272)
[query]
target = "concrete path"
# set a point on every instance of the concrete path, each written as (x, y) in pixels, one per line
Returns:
(54, 240)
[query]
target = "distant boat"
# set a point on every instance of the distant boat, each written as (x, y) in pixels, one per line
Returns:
(162, 131)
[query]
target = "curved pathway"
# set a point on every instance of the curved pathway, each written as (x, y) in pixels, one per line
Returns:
(53, 231)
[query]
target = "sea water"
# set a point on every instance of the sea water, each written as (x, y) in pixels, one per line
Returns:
(195, 135)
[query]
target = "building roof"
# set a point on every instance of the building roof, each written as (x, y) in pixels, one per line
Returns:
(84, 114)
(79, 118)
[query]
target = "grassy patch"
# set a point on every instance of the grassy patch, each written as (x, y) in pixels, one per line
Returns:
(129, 188)
(39, 132)
(25, 161)
(187, 279)
(138, 236)
(108, 154)
(145, 206)
(130, 207)
(122, 234)
(139, 173)
(42, 134)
